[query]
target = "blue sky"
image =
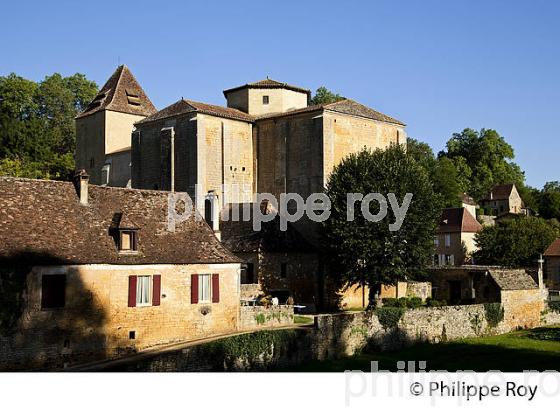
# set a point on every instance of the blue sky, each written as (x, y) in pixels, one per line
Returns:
(439, 66)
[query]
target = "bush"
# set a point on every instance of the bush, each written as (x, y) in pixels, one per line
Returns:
(389, 302)
(389, 316)
(414, 302)
(435, 303)
(554, 306)
(494, 313)
(402, 302)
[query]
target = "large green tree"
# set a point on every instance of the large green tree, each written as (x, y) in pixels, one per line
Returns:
(487, 157)
(514, 242)
(37, 135)
(366, 252)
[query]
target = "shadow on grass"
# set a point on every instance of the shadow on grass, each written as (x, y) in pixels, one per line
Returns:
(537, 349)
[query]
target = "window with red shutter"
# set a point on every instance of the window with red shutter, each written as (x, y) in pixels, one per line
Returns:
(194, 288)
(215, 288)
(156, 294)
(131, 291)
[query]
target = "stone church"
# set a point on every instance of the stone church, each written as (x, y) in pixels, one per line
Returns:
(266, 139)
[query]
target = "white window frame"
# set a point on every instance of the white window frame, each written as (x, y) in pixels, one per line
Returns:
(447, 240)
(202, 298)
(144, 296)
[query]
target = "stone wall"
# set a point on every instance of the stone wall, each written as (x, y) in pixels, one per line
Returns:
(332, 336)
(262, 317)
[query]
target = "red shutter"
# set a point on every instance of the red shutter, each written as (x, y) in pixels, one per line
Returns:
(194, 288)
(131, 291)
(215, 288)
(156, 290)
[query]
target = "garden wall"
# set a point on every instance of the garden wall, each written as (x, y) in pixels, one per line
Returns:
(262, 317)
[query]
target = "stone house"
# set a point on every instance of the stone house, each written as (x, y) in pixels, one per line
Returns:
(503, 200)
(103, 130)
(552, 266)
(454, 239)
(483, 284)
(92, 272)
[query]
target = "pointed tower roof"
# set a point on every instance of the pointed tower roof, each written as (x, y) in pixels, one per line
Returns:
(121, 93)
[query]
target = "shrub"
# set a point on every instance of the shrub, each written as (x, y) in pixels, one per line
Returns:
(389, 302)
(414, 302)
(402, 302)
(435, 303)
(494, 313)
(389, 316)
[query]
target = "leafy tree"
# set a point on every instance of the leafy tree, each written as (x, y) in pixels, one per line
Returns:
(366, 252)
(37, 136)
(489, 158)
(552, 186)
(549, 206)
(443, 172)
(514, 242)
(324, 96)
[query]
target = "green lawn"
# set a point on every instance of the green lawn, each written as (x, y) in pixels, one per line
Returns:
(536, 349)
(303, 320)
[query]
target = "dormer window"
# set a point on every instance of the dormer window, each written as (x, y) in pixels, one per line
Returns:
(265, 99)
(128, 240)
(133, 98)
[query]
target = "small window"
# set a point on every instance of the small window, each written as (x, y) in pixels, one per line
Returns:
(144, 291)
(447, 240)
(265, 99)
(436, 241)
(283, 270)
(205, 288)
(449, 260)
(127, 241)
(133, 98)
(53, 291)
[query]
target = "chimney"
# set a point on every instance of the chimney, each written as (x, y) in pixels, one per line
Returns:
(81, 182)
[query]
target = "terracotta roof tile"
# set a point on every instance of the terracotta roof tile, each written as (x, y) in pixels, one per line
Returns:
(42, 221)
(121, 93)
(345, 106)
(500, 192)
(189, 106)
(553, 249)
(268, 83)
(457, 220)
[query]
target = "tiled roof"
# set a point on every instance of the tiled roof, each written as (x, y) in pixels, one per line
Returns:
(345, 106)
(457, 220)
(500, 192)
(512, 279)
(121, 93)
(268, 83)
(42, 222)
(553, 249)
(466, 199)
(188, 106)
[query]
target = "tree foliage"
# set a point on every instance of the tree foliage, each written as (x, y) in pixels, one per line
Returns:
(487, 157)
(514, 242)
(324, 96)
(37, 135)
(368, 252)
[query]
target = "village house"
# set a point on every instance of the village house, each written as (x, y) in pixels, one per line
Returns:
(93, 272)
(503, 200)
(267, 139)
(483, 284)
(552, 266)
(454, 239)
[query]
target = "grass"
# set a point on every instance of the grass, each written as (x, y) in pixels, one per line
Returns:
(536, 349)
(302, 320)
